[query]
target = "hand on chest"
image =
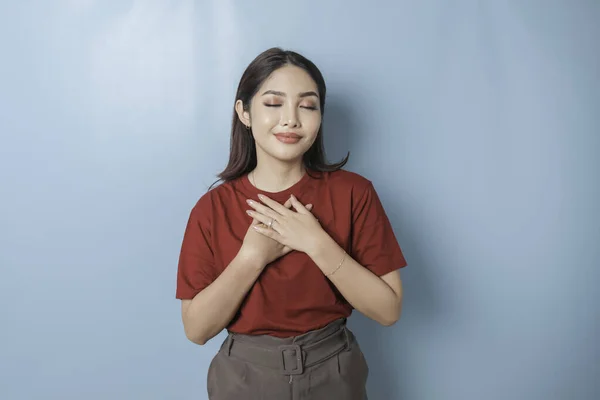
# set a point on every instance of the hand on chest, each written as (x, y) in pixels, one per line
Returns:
(231, 223)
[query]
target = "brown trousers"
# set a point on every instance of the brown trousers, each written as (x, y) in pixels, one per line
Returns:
(323, 364)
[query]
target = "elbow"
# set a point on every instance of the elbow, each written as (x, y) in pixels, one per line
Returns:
(393, 317)
(198, 341)
(389, 321)
(194, 333)
(196, 338)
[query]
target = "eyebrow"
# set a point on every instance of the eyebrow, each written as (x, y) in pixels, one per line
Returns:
(282, 94)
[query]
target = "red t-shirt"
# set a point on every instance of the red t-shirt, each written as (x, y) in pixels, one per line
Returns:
(292, 296)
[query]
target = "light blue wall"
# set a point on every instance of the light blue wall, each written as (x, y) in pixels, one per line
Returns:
(477, 121)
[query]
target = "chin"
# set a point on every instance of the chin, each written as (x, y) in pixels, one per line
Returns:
(284, 152)
(286, 156)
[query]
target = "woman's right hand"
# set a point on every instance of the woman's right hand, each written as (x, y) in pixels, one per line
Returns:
(261, 248)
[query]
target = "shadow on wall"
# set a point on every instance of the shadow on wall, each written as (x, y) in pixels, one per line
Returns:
(387, 353)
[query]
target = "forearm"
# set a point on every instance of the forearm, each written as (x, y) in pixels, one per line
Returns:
(213, 308)
(364, 290)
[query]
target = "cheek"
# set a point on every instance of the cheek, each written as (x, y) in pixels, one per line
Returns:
(313, 124)
(268, 119)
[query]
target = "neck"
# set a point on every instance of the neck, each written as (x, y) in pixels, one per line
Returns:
(277, 177)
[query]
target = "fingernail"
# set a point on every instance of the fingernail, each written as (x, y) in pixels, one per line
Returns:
(248, 212)
(260, 196)
(249, 201)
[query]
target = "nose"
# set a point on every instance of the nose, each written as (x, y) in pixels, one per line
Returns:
(289, 117)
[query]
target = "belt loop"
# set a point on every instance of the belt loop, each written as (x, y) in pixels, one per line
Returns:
(228, 345)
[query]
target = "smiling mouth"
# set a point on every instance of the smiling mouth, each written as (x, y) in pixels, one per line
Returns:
(288, 138)
(289, 135)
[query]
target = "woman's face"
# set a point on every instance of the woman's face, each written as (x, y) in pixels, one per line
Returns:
(285, 114)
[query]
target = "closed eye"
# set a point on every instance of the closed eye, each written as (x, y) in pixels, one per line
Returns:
(279, 105)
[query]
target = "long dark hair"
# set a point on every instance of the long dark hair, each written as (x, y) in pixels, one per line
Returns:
(242, 154)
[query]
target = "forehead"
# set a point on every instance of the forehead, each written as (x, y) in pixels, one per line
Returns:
(289, 79)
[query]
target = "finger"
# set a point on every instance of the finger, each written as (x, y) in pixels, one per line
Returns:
(298, 206)
(274, 205)
(309, 207)
(288, 204)
(264, 210)
(262, 219)
(268, 233)
(254, 221)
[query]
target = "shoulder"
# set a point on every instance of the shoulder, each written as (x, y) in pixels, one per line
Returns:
(349, 182)
(205, 205)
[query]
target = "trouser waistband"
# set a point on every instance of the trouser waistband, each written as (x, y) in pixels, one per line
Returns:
(290, 355)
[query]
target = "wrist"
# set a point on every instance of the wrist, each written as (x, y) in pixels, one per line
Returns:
(320, 245)
(326, 255)
(250, 259)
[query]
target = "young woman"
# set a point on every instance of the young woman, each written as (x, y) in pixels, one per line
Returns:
(285, 248)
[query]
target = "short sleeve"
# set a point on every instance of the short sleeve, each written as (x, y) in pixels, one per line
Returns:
(374, 245)
(196, 261)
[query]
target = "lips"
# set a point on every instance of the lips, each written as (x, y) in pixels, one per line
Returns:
(289, 135)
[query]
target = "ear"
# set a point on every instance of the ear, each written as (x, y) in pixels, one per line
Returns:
(243, 115)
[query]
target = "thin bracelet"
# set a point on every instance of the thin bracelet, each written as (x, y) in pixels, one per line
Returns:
(339, 266)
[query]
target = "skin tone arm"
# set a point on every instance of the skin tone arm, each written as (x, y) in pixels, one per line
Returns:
(379, 298)
(211, 310)
(214, 307)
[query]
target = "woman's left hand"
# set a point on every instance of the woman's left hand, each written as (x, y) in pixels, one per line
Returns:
(299, 229)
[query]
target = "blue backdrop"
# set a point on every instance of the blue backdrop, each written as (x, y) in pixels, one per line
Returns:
(477, 121)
